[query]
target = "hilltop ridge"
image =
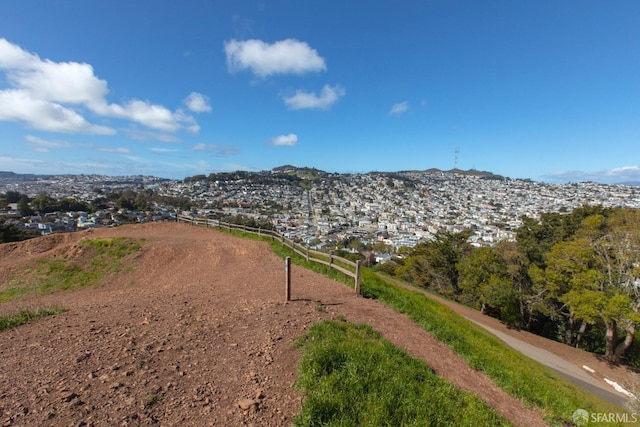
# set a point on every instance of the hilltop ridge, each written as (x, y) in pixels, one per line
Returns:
(193, 329)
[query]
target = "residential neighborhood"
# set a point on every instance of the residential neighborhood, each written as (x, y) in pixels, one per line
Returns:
(325, 209)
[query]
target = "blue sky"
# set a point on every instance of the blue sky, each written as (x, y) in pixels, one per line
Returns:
(545, 90)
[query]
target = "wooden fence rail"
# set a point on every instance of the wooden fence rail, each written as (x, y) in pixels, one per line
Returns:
(329, 259)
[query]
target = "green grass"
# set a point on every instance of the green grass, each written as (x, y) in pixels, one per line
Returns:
(151, 400)
(26, 316)
(97, 258)
(353, 377)
(515, 373)
(284, 251)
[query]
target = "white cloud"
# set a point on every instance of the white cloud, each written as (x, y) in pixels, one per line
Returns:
(288, 56)
(144, 135)
(290, 140)
(227, 150)
(150, 115)
(162, 150)
(64, 82)
(119, 150)
(11, 56)
(138, 159)
(197, 102)
(21, 165)
(219, 150)
(204, 147)
(44, 146)
(399, 108)
(230, 167)
(18, 106)
(309, 100)
(50, 96)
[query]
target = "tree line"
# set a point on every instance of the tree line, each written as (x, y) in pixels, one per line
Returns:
(128, 199)
(571, 277)
(44, 203)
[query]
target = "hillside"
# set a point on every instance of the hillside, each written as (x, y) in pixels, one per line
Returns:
(192, 330)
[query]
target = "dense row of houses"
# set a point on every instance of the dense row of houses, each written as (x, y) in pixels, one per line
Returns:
(397, 209)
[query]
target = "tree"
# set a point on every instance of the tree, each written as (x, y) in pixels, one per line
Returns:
(43, 203)
(517, 266)
(485, 283)
(570, 274)
(536, 238)
(23, 207)
(12, 197)
(595, 276)
(434, 263)
(11, 233)
(69, 204)
(618, 250)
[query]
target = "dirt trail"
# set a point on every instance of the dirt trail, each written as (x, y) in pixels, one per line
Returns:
(195, 333)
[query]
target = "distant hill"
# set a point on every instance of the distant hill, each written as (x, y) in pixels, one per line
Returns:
(301, 171)
(475, 172)
(470, 172)
(20, 177)
(303, 175)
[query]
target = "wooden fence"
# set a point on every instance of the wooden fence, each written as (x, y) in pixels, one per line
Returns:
(343, 265)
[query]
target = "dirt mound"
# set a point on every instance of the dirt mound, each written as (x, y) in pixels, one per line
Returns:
(193, 331)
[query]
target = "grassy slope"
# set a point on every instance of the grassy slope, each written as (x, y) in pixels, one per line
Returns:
(353, 377)
(51, 275)
(516, 374)
(26, 316)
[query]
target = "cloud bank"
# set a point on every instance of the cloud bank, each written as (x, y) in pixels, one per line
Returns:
(40, 145)
(625, 174)
(53, 96)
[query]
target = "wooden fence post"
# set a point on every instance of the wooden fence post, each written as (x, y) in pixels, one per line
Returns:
(357, 286)
(331, 259)
(307, 253)
(287, 273)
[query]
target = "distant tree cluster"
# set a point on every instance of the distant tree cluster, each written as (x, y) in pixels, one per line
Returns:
(11, 233)
(128, 199)
(248, 221)
(286, 175)
(571, 277)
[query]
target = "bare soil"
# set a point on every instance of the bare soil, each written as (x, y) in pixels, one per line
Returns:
(194, 331)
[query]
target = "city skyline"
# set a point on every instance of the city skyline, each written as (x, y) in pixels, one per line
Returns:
(540, 91)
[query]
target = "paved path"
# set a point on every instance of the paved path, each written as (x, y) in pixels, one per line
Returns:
(573, 373)
(567, 369)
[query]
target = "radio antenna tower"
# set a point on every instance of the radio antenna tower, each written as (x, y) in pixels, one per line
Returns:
(455, 158)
